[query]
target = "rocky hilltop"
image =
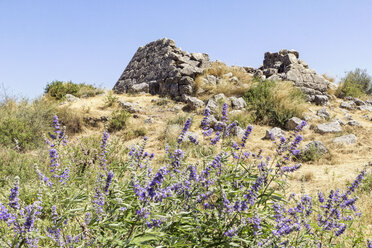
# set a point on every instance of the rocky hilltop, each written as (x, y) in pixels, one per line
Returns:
(162, 68)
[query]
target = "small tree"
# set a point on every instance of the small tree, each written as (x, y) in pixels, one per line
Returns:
(356, 83)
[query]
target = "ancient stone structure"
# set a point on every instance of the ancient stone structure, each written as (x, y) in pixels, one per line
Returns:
(162, 68)
(286, 65)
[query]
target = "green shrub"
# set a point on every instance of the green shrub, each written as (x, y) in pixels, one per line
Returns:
(355, 84)
(25, 122)
(118, 121)
(312, 154)
(349, 89)
(274, 103)
(59, 89)
(139, 132)
(72, 120)
(110, 100)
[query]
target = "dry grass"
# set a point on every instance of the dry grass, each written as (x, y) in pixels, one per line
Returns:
(333, 170)
(224, 85)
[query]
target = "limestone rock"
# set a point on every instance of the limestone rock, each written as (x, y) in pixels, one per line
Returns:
(346, 139)
(237, 103)
(320, 100)
(194, 103)
(212, 121)
(275, 132)
(348, 105)
(137, 88)
(323, 113)
(318, 146)
(71, 98)
(365, 108)
(330, 127)
(238, 132)
(353, 123)
(293, 123)
(128, 106)
(212, 106)
(220, 97)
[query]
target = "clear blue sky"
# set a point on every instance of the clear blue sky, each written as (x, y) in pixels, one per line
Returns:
(92, 41)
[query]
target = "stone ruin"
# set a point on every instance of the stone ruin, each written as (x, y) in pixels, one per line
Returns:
(286, 65)
(162, 68)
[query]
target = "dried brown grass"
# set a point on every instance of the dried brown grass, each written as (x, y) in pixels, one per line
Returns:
(224, 85)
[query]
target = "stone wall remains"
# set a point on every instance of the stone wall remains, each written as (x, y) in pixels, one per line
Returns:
(162, 68)
(286, 65)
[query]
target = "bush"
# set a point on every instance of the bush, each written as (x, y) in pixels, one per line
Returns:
(118, 120)
(59, 89)
(24, 122)
(274, 103)
(110, 100)
(71, 119)
(355, 84)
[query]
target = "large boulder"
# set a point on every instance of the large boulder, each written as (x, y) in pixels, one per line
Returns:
(329, 127)
(346, 139)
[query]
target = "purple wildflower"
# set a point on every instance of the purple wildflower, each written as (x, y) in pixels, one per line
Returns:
(110, 175)
(224, 113)
(205, 122)
(102, 155)
(247, 132)
(14, 193)
(184, 130)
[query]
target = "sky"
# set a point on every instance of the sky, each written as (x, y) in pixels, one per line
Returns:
(93, 41)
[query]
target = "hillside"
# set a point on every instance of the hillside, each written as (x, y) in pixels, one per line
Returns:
(168, 158)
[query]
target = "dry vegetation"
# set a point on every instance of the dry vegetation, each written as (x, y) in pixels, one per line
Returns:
(226, 84)
(333, 170)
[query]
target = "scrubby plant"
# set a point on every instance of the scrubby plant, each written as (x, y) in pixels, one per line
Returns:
(23, 122)
(110, 100)
(59, 89)
(230, 197)
(118, 120)
(72, 120)
(355, 84)
(274, 103)
(311, 154)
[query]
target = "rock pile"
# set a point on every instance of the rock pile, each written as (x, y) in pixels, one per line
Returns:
(162, 68)
(286, 65)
